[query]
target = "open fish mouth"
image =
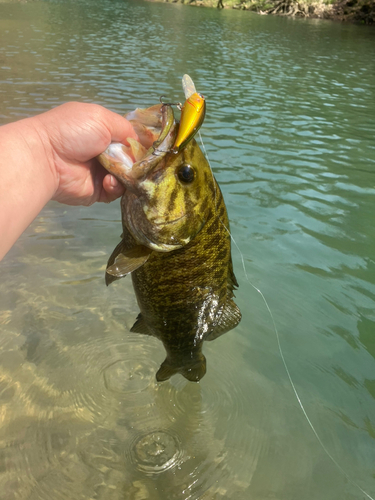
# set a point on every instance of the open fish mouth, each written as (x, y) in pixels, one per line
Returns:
(158, 209)
(156, 129)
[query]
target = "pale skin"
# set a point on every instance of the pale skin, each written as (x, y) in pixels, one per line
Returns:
(52, 156)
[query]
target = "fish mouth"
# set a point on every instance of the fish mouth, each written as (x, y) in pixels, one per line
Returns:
(129, 164)
(159, 246)
(168, 223)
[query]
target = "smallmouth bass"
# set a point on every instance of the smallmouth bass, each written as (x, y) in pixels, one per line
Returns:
(175, 243)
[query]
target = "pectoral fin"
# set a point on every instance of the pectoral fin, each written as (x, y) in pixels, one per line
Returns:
(119, 248)
(123, 262)
(128, 261)
(229, 319)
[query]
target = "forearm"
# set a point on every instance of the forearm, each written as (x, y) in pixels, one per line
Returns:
(27, 181)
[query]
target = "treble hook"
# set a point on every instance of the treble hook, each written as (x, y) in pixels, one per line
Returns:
(178, 104)
(157, 152)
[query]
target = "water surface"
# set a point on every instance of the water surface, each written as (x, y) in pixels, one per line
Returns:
(290, 134)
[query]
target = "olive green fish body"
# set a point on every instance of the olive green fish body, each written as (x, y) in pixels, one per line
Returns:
(183, 294)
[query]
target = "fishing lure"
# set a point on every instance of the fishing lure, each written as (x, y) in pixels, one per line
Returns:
(192, 114)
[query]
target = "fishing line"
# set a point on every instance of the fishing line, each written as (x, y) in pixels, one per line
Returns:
(301, 405)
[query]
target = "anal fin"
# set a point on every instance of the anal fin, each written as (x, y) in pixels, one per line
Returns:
(140, 326)
(229, 319)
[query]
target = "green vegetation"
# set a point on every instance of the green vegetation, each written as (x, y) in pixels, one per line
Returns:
(362, 11)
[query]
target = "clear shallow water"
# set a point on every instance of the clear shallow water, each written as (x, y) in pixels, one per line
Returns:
(290, 133)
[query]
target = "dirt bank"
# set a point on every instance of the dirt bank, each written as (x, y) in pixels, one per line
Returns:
(359, 11)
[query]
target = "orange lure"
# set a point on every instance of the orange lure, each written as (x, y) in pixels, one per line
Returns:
(192, 116)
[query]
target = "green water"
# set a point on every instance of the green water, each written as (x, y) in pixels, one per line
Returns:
(290, 133)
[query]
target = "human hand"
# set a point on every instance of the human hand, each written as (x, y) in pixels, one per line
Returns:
(75, 133)
(53, 156)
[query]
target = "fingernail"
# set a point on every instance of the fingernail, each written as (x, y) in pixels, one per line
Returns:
(114, 181)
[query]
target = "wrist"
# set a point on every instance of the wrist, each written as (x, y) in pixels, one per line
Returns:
(42, 161)
(27, 178)
(30, 156)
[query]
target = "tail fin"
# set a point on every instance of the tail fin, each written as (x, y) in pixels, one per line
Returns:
(192, 372)
(165, 371)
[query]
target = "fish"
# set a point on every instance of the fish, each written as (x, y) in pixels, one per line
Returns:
(176, 242)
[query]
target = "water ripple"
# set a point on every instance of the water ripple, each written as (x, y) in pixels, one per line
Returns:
(289, 132)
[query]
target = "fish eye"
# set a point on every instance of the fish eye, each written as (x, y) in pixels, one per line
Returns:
(186, 174)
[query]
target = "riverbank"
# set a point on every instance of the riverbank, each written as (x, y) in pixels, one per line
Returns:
(358, 11)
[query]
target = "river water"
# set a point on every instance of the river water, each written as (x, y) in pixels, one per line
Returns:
(287, 408)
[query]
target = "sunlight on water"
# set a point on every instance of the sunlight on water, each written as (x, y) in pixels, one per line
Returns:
(290, 133)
